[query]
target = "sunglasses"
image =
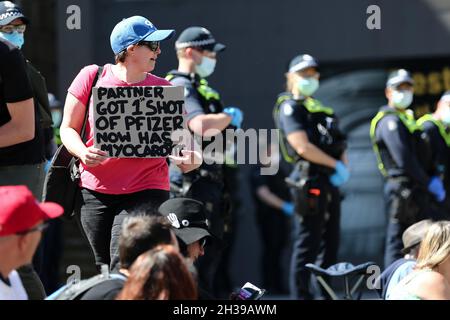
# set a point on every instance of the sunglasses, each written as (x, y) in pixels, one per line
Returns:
(40, 227)
(203, 242)
(11, 28)
(152, 45)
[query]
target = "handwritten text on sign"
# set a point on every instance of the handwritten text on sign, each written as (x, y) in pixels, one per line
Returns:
(137, 122)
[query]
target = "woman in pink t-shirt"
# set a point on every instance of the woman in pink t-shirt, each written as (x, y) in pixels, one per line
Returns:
(113, 188)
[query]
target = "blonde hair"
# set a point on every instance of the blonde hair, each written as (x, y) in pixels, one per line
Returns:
(181, 53)
(291, 81)
(435, 247)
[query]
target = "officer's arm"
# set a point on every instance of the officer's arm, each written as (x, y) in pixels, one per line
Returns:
(21, 126)
(208, 125)
(17, 94)
(394, 134)
(308, 151)
(438, 146)
(265, 195)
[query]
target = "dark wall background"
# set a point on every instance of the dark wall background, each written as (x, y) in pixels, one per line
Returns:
(261, 37)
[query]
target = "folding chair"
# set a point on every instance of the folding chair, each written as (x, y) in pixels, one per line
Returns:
(346, 270)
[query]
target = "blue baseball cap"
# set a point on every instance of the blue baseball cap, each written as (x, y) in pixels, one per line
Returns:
(132, 30)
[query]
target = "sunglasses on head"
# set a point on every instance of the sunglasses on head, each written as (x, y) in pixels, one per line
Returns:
(40, 227)
(152, 45)
(11, 28)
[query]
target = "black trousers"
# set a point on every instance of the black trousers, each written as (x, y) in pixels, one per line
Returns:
(395, 228)
(317, 238)
(274, 227)
(212, 195)
(101, 217)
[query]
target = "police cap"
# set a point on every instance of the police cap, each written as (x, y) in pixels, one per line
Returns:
(198, 37)
(302, 62)
(10, 11)
(398, 77)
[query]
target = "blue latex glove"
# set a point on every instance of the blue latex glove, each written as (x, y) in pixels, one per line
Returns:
(436, 187)
(341, 175)
(288, 208)
(236, 115)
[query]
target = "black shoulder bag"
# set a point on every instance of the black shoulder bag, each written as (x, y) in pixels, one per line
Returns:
(62, 179)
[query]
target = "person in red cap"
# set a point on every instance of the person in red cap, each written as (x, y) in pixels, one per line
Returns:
(22, 220)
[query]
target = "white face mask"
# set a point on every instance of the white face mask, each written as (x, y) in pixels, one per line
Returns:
(402, 99)
(307, 86)
(445, 117)
(206, 67)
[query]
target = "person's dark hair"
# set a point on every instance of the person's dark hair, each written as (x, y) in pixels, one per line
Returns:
(159, 274)
(183, 248)
(140, 234)
(121, 56)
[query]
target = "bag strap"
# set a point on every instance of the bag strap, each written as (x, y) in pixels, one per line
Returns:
(86, 114)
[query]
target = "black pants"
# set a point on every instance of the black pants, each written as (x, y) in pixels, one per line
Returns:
(101, 217)
(317, 238)
(395, 228)
(211, 194)
(274, 229)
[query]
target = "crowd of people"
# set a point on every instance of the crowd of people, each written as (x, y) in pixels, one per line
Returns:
(164, 226)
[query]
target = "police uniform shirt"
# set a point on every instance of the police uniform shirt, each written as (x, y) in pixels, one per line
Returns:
(12, 288)
(398, 141)
(295, 117)
(15, 87)
(440, 149)
(193, 106)
(192, 100)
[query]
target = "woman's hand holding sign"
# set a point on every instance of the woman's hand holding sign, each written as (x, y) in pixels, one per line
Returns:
(92, 156)
(190, 160)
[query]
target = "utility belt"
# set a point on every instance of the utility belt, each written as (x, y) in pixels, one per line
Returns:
(310, 192)
(409, 200)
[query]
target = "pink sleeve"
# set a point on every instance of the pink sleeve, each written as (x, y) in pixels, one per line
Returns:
(158, 81)
(81, 85)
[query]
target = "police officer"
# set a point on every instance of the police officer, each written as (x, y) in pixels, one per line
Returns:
(402, 151)
(437, 127)
(206, 117)
(312, 141)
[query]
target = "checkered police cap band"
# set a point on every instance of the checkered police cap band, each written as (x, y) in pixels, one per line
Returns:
(199, 43)
(10, 14)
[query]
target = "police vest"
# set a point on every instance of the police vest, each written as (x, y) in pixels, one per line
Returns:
(420, 142)
(209, 98)
(442, 128)
(210, 102)
(331, 140)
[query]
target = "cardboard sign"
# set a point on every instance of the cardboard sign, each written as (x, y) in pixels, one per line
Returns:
(137, 122)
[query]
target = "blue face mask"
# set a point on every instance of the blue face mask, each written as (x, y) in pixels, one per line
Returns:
(56, 118)
(15, 38)
(206, 67)
(307, 86)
